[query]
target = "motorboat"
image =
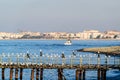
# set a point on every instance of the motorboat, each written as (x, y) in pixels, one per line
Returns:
(68, 42)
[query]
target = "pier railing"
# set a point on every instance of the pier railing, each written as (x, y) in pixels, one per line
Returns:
(50, 59)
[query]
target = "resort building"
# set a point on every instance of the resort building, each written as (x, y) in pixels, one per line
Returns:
(87, 34)
(111, 34)
(90, 34)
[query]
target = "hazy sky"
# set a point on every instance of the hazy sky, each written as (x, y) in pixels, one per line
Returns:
(59, 15)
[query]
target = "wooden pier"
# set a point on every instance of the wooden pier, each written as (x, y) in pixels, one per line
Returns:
(19, 62)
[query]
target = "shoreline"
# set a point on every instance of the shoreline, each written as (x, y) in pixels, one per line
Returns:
(112, 50)
(59, 39)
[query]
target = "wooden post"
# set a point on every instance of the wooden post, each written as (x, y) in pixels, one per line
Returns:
(59, 74)
(21, 72)
(98, 74)
(3, 70)
(37, 74)
(32, 74)
(41, 74)
(84, 74)
(60, 71)
(80, 61)
(80, 74)
(104, 74)
(77, 74)
(16, 74)
(98, 61)
(101, 74)
(11, 73)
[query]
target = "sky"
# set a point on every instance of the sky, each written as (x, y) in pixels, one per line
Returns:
(59, 15)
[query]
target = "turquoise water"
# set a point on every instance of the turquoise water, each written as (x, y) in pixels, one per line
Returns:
(56, 47)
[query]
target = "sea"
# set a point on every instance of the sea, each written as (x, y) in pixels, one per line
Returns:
(56, 47)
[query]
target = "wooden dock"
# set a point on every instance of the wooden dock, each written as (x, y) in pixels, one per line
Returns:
(37, 64)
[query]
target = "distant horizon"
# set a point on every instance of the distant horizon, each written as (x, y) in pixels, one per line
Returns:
(58, 31)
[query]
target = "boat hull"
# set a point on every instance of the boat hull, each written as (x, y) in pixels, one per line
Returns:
(67, 43)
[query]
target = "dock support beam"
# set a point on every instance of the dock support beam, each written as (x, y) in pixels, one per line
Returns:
(103, 74)
(80, 74)
(98, 73)
(77, 74)
(16, 74)
(60, 71)
(3, 70)
(41, 74)
(84, 74)
(32, 74)
(11, 73)
(21, 73)
(37, 74)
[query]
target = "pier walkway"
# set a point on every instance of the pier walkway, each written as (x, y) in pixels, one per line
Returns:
(37, 63)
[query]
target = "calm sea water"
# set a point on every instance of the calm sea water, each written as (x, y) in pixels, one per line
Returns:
(56, 47)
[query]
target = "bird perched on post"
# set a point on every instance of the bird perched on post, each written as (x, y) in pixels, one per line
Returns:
(63, 56)
(73, 53)
(28, 56)
(40, 52)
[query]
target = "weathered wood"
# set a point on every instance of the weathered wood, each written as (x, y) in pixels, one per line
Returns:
(60, 71)
(32, 74)
(66, 66)
(21, 73)
(3, 71)
(77, 74)
(37, 74)
(11, 73)
(81, 75)
(103, 74)
(16, 74)
(98, 74)
(41, 74)
(84, 72)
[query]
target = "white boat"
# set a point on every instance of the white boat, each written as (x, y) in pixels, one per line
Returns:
(68, 42)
